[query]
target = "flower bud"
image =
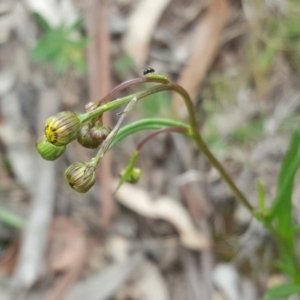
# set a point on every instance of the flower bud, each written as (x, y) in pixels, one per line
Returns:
(86, 140)
(47, 150)
(62, 128)
(80, 176)
(134, 175)
(99, 132)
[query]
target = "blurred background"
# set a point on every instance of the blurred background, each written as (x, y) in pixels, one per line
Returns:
(179, 234)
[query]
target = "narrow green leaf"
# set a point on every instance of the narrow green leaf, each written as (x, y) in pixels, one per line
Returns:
(282, 205)
(42, 21)
(146, 124)
(288, 158)
(261, 197)
(282, 291)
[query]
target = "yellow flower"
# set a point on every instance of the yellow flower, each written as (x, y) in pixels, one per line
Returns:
(62, 128)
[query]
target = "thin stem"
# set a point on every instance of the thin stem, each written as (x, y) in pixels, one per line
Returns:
(122, 101)
(113, 133)
(205, 150)
(124, 85)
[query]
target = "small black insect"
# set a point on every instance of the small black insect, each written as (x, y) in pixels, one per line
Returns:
(148, 71)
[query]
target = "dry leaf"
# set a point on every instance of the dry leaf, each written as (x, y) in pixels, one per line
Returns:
(164, 208)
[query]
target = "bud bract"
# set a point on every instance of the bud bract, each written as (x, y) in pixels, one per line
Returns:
(80, 176)
(62, 128)
(47, 150)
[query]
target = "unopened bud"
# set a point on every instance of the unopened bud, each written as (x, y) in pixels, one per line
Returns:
(100, 132)
(62, 128)
(47, 150)
(134, 175)
(80, 176)
(85, 138)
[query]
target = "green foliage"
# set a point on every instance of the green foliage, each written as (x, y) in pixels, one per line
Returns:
(61, 46)
(282, 291)
(146, 124)
(278, 219)
(261, 197)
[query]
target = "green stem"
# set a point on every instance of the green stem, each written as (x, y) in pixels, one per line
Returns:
(193, 123)
(205, 150)
(155, 78)
(122, 101)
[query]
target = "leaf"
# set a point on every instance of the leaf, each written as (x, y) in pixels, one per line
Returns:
(147, 124)
(163, 208)
(282, 291)
(60, 47)
(42, 21)
(261, 197)
(282, 205)
(288, 158)
(281, 211)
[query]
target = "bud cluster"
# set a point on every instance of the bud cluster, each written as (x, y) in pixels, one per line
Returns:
(63, 128)
(93, 134)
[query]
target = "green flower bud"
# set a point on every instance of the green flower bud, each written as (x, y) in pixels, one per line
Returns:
(85, 138)
(47, 150)
(80, 176)
(62, 128)
(134, 175)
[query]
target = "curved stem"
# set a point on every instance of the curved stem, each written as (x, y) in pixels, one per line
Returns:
(122, 101)
(205, 150)
(131, 82)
